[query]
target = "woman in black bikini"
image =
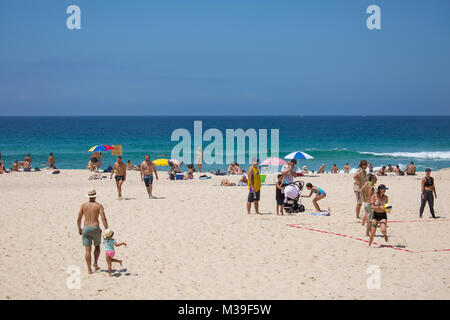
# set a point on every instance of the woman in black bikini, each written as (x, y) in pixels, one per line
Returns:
(428, 188)
(378, 201)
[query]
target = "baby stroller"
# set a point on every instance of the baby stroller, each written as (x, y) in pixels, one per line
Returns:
(292, 202)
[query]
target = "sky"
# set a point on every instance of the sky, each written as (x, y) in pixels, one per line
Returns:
(224, 57)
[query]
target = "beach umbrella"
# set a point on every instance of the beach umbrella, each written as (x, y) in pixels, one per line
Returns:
(273, 162)
(298, 155)
(101, 147)
(161, 162)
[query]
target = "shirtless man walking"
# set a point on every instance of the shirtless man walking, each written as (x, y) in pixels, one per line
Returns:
(91, 231)
(121, 174)
(147, 169)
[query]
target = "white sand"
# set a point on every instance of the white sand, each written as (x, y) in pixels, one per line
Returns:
(198, 242)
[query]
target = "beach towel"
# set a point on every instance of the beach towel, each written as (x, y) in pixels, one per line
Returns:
(318, 214)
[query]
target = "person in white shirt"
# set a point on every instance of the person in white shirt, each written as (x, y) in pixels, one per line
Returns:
(288, 171)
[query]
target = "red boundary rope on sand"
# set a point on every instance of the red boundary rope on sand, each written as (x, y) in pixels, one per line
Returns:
(298, 226)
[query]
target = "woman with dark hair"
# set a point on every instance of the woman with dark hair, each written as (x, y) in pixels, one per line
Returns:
(428, 189)
(320, 194)
(378, 202)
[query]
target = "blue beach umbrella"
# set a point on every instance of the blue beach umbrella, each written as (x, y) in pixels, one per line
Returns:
(298, 155)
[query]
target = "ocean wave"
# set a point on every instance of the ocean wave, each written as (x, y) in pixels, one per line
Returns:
(419, 155)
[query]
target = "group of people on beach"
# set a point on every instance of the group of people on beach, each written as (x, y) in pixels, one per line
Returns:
(26, 164)
(375, 202)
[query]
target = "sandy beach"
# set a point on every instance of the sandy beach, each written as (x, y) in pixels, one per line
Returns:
(197, 242)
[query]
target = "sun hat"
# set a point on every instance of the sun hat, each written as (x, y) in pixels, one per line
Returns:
(427, 170)
(304, 167)
(92, 193)
(108, 233)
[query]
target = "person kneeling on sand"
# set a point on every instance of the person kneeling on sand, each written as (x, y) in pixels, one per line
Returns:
(110, 252)
(320, 194)
(91, 231)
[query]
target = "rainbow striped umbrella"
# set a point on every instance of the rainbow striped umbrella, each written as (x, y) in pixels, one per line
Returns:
(101, 147)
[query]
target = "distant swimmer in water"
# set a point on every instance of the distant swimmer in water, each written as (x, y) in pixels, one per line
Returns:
(320, 194)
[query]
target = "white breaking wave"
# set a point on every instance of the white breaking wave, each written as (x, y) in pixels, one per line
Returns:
(419, 155)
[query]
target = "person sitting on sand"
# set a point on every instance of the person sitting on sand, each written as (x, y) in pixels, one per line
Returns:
(305, 170)
(15, 166)
(237, 168)
(1, 164)
(321, 169)
(28, 158)
(26, 166)
(390, 168)
(367, 191)
(334, 169)
(51, 161)
(411, 169)
(381, 171)
(226, 183)
(243, 181)
(320, 194)
(110, 252)
(121, 175)
(130, 165)
(399, 171)
(91, 231)
(279, 194)
(346, 168)
(95, 161)
(190, 173)
(230, 169)
(379, 199)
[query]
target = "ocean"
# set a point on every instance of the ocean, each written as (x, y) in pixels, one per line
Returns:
(382, 140)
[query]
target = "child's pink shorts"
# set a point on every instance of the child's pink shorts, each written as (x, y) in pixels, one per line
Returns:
(110, 253)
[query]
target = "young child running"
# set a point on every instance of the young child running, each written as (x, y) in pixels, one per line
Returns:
(320, 194)
(279, 196)
(110, 243)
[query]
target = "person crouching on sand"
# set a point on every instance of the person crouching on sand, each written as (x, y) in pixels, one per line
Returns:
(378, 202)
(320, 194)
(110, 252)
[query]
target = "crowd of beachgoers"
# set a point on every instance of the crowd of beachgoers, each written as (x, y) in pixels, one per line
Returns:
(288, 192)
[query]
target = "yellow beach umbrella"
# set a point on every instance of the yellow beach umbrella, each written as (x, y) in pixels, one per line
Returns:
(161, 162)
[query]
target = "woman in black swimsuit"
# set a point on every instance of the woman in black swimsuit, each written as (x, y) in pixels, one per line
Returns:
(378, 201)
(428, 188)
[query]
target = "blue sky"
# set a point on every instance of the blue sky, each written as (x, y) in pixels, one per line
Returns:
(233, 57)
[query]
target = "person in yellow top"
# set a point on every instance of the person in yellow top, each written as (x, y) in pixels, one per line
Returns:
(254, 186)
